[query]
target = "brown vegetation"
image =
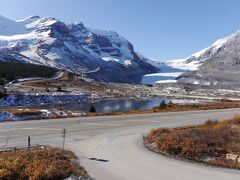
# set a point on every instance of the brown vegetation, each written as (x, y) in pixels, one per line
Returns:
(39, 164)
(199, 106)
(26, 112)
(208, 143)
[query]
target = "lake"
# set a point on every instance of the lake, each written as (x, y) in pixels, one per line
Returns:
(116, 105)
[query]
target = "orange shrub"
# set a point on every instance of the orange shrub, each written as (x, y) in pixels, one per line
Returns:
(39, 164)
(212, 140)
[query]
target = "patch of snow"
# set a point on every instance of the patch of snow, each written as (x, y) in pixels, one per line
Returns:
(183, 65)
(27, 37)
(127, 62)
(76, 114)
(205, 83)
(45, 111)
(165, 81)
(103, 32)
(46, 22)
(33, 24)
(4, 116)
(186, 101)
(110, 59)
(28, 79)
(54, 54)
(196, 82)
(30, 22)
(61, 113)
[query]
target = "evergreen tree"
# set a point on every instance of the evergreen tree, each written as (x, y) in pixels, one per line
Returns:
(92, 109)
(163, 105)
(170, 104)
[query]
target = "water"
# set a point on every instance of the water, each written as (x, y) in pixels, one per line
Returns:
(115, 105)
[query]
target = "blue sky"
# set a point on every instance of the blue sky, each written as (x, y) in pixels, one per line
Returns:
(159, 29)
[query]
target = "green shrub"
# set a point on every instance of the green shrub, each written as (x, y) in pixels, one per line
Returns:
(3, 93)
(194, 106)
(170, 104)
(59, 89)
(92, 109)
(163, 105)
(3, 81)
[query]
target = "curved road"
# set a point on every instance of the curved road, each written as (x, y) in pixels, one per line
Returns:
(111, 148)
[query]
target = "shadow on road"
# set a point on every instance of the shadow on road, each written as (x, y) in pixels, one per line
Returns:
(100, 160)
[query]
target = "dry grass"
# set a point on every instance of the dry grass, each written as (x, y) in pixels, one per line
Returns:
(25, 112)
(39, 164)
(199, 106)
(208, 143)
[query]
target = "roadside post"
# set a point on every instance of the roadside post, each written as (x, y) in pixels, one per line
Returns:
(64, 131)
(29, 142)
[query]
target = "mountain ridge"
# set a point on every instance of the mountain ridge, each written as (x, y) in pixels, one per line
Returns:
(218, 64)
(75, 48)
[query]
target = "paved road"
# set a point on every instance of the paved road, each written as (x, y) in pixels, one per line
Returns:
(117, 141)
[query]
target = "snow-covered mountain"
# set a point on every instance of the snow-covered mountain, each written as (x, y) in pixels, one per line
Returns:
(72, 47)
(218, 64)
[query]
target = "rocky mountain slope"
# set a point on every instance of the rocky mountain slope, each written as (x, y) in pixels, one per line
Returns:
(72, 47)
(217, 65)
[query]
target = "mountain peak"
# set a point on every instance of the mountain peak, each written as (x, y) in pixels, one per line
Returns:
(32, 17)
(218, 64)
(9, 27)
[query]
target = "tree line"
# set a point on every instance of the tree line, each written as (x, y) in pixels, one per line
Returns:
(10, 71)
